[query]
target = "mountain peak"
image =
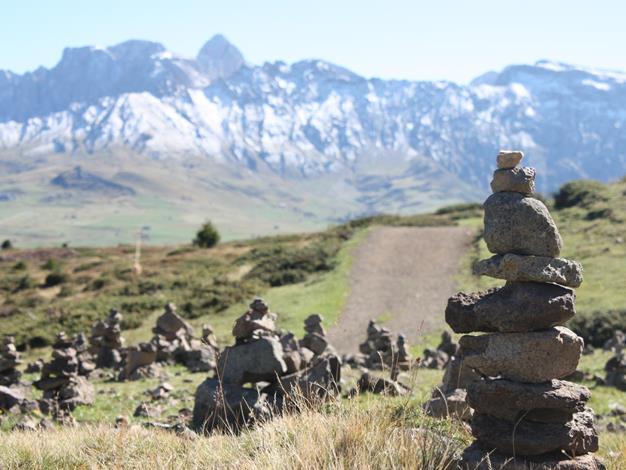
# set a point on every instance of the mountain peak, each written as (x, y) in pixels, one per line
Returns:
(219, 58)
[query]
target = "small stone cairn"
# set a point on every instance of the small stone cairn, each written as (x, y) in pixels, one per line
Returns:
(276, 364)
(615, 369)
(439, 357)
(9, 360)
(380, 351)
(62, 387)
(525, 417)
(107, 342)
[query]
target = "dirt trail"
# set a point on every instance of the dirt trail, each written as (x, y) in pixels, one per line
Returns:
(403, 275)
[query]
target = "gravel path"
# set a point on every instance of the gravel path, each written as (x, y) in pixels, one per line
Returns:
(403, 275)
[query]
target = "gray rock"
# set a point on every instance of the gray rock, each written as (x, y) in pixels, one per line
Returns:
(79, 391)
(451, 404)
(514, 267)
(509, 158)
(520, 180)
(518, 224)
(524, 357)
(315, 342)
(315, 383)
(457, 375)
(226, 406)
(476, 457)
(525, 438)
(9, 397)
(516, 307)
(139, 356)
(555, 401)
(254, 361)
(380, 386)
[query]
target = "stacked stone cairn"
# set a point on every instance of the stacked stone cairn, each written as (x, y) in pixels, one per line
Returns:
(615, 369)
(439, 357)
(86, 363)
(315, 338)
(107, 342)
(380, 351)
(9, 360)
(63, 388)
(524, 416)
(175, 343)
(277, 366)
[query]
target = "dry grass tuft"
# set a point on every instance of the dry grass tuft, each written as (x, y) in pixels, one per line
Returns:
(365, 433)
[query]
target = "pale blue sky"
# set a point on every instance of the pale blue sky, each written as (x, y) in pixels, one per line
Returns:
(437, 39)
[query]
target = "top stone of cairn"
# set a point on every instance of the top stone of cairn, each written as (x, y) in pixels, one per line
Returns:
(509, 158)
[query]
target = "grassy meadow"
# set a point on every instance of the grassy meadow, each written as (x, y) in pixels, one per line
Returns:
(298, 275)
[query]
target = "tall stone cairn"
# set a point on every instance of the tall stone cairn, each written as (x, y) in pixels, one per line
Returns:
(524, 415)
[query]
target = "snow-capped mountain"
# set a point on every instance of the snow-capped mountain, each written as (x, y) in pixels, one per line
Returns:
(313, 118)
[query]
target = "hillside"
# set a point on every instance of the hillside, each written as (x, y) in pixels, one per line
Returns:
(298, 274)
(297, 145)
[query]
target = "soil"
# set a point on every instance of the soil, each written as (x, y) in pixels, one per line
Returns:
(402, 276)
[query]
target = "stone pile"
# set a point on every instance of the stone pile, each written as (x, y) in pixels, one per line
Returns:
(380, 350)
(524, 416)
(63, 388)
(277, 366)
(439, 357)
(175, 343)
(107, 342)
(86, 362)
(616, 343)
(9, 360)
(315, 337)
(140, 362)
(615, 369)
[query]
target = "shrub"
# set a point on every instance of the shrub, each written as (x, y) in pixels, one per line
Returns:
(289, 266)
(207, 236)
(6, 245)
(55, 278)
(51, 265)
(581, 193)
(19, 266)
(597, 327)
(24, 283)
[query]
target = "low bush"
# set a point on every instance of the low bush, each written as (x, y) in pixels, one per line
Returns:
(597, 327)
(581, 193)
(55, 278)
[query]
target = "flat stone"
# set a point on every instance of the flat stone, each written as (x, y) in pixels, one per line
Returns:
(520, 180)
(555, 401)
(255, 361)
(9, 397)
(476, 457)
(524, 357)
(515, 223)
(451, 404)
(514, 267)
(509, 158)
(576, 437)
(516, 307)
